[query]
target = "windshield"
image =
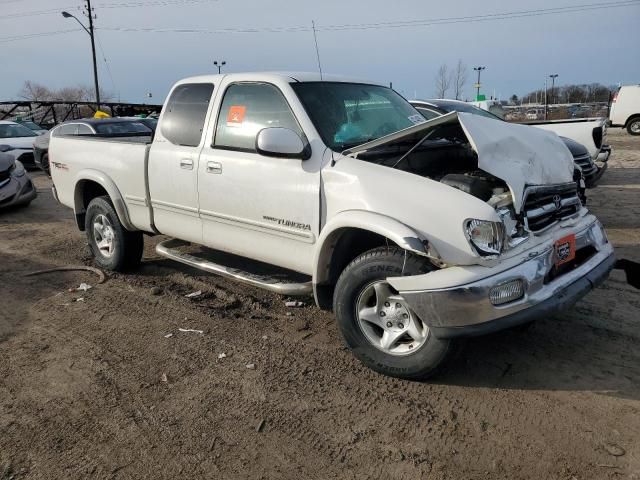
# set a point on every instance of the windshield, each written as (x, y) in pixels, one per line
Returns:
(151, 123)
(120, 128)
(350, 114)
(11, 130)
(32, 126)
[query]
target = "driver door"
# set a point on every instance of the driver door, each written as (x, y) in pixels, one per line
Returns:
(265, 208)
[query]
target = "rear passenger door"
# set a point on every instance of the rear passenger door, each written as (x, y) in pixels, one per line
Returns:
(173, 161)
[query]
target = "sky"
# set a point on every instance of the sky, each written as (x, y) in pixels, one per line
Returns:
(595, 45)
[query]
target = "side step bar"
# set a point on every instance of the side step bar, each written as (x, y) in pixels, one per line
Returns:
(167, 249)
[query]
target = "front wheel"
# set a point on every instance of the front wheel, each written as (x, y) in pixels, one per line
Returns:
(634, 126)
(377, 323)
(113, 247)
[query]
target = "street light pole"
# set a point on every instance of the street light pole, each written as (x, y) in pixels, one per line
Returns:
(219, 65)
(93, 47)
(553, 83)
(478, 69)
(546, 102)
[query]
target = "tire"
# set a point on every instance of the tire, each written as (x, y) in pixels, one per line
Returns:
(633, 127)
(113, 247)
(415, 356)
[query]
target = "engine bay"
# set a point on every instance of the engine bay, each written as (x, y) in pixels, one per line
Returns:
(443, 155)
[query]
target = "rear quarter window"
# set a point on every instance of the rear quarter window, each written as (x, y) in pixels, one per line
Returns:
(186, 110)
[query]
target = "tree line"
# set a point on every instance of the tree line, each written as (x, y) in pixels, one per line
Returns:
(35, 92)
(572, 93)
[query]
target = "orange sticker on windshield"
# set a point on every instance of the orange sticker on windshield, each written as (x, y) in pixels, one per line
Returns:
(235, 117)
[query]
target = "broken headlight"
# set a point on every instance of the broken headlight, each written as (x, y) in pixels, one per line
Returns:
(515, 233)
(486, 237)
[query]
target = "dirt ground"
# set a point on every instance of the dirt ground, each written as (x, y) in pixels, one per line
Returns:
(93, 386)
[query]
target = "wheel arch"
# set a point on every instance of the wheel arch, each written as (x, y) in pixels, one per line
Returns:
(91, 184)
(349, 234)
(631, 118)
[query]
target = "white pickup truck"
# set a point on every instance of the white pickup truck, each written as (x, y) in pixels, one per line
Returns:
(414, 232)
(590, 132)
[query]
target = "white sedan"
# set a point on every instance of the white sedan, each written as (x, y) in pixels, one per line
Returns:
(21, 139)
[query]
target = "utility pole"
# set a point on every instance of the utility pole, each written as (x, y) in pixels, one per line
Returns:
(219, 65)
(478, 69)
(89, 14)
(93, 53)
(546, 103)
(553, 83)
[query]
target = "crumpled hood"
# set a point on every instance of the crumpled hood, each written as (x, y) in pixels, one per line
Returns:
(518, 154)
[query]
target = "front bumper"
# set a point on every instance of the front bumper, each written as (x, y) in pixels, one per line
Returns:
(605, 153)
(17, 191)
(466, 310)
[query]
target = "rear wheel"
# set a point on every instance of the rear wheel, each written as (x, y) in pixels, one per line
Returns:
(113, 247)
(633, 127)
(377, 323)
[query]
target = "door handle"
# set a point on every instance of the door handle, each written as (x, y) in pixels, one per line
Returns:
(186, 163)
(214, 167)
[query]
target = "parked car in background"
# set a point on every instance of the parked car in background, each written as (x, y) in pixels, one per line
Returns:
(149, 122)
(105, 127)
(15, 186)
(533, 114)
(20, 138)
(434, 108)
(625, 109)
(39, 130)
(414, 232)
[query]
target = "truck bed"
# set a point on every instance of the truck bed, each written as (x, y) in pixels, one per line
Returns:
(116, 162)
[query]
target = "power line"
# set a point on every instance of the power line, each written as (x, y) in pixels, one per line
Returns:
(104, 57)
(396, 24)
(339, 27)
(146, 3)
(36, 13)
(152, 3)
(13, 38)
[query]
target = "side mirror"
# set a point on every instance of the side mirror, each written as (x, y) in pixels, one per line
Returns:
(5, 148)
(281, 142)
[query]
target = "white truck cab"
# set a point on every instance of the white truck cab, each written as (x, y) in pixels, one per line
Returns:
(414, 232)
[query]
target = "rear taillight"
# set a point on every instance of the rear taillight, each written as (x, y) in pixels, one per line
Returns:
(615, 97)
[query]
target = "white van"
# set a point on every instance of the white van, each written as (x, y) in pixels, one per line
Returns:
(625, 109)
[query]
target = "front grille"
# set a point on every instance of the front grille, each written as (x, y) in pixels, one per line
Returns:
(586, 164)
(547, 205)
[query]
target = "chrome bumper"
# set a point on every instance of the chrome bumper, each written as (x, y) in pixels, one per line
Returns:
(467, 310)
(605, 153)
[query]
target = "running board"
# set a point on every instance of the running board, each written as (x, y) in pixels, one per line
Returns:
(168, 249)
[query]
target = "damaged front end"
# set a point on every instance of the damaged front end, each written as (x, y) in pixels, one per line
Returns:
(538, 249)
(526, 175)
(15, 186)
